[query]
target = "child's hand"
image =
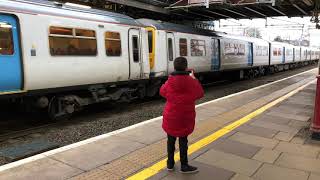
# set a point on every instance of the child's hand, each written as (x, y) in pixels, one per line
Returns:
(192, 75)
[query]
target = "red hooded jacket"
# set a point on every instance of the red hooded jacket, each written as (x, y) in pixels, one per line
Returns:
(181, 92)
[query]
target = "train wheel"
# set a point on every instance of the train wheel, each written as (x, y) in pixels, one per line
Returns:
(57, 111)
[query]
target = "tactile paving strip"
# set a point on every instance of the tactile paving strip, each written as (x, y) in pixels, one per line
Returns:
(96, 174)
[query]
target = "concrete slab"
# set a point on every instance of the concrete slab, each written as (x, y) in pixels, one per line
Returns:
(266, 155)
(98, 153)
(146, 134)
(271, 172)
(257, 131)
(299, 162)
(41, 169)
(284, 136)
(299, 124)
(289, 109)
(314, 176)
(229, 162)
(254, 140)
(298, 140)
(274, 126)
(299, 149)
(289, 116)
(205, 172)
(241, 177)
(272, 119)
(237, 148)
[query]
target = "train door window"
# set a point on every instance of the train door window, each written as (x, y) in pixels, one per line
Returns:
(198, 47)
(275, 52)
(135, 48)
(170, 49)
(279, 52)
(6, 39)
(183, 46)
(113, 43)
(150, 41)
(72, 42)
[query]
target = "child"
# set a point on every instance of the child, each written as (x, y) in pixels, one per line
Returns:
(181, 91)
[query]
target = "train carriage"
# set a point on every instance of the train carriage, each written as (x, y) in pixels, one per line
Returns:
(60, 58)
(50, 48)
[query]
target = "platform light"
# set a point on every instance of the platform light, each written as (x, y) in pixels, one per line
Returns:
(77, 5)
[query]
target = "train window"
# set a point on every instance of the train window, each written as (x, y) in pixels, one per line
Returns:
(279, 52)
(150, 41)
(135, 48)
(262, 51)
(85, 33)
(183, 46)
(113, 43)
(170, 49)
(72, 42)
(6, 39)
(275, 52)
(198, 47)
(61, 31)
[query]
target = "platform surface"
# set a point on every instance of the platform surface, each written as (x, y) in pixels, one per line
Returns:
(269, 144)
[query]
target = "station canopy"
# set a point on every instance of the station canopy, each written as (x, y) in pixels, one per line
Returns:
(205, 10)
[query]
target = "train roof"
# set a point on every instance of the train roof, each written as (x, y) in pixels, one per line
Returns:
(159, 25)
(58, 9)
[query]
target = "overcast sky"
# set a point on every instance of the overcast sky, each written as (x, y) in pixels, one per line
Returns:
(287, 28)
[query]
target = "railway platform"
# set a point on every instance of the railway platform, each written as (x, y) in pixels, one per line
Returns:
(261, 133)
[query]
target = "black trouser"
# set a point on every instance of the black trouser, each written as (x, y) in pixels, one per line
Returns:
(183, 146)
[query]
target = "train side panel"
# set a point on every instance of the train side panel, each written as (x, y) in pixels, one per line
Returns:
(234, 54)
(260, 54)
(44, 70)
(289, 54)
(297, 54)
(277, 56)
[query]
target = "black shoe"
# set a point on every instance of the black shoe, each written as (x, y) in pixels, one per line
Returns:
(186, 169)
(170, 166)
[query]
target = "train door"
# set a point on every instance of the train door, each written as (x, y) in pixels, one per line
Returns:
(171, 52)
(283, 55)
(250, 55)
(215, 58)
(135, 54)
(10, 57)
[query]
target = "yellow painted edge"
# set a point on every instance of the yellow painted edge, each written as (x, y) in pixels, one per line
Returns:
(157, 167)
(12, 92)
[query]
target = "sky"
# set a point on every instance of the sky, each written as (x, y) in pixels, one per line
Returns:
(287, 28)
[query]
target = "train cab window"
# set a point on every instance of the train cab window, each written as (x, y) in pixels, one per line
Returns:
(150, 41)
(170, 49)
(198, 47)
(183, 46)
(72, 42)
(6, 39)
(135, 48)
(113, 43)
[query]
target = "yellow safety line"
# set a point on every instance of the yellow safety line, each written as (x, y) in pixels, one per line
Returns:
(157, 167)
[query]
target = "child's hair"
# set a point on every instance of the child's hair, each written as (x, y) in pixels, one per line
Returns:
(180, 64)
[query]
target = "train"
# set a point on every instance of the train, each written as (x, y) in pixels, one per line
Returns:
(61, 58)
